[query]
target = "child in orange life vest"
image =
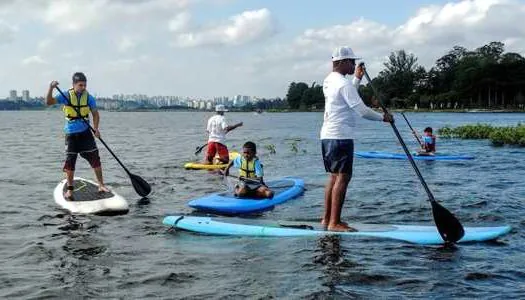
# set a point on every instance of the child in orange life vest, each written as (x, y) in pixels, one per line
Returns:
(428, 145)
(251, 182)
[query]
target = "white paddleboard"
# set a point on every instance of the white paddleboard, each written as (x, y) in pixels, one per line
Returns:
(88, 200)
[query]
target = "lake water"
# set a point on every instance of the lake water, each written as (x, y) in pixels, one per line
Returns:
(46, 253)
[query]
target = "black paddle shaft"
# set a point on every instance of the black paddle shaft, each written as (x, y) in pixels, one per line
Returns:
(245, 179)
(410, 158)
(199, 149)
(447, 224)
(413, 131)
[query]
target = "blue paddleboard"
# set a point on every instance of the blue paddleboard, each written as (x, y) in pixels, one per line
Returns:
(417, 234)
(226, 203)
(388, 155)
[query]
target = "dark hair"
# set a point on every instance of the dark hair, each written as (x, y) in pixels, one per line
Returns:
(79, 76)
(251, 146)
(428, 129)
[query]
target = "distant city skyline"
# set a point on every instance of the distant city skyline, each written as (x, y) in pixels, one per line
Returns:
(115, 101)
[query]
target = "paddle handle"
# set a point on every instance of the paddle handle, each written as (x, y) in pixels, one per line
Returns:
(413, 131)
(93, 130)
(407, 152)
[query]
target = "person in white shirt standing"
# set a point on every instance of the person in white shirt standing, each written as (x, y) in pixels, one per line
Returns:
(342, 105)
(217, 129)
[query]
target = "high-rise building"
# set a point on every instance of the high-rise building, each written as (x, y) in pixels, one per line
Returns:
(25, 95)
(12, 95)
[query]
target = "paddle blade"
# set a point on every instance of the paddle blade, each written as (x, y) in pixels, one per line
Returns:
(447, 224)
(140, 185)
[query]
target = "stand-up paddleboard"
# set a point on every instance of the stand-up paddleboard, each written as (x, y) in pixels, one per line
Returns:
(284, 189)
(416, 156)
(425, 235)
(88, 200)
(201, 166)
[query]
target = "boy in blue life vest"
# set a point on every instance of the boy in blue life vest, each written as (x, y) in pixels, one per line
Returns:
(251, 174)
(428, 143)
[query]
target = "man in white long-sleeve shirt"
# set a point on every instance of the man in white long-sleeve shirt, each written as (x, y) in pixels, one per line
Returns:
(342, 105)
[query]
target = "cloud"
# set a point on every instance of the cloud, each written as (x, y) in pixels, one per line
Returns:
(180, 22)
(429, 34)
(7, 32)
(127, 64)
(44, 44)
(34, 60)
(126, 43)
(240, 29)
(64, 14)
(108, 38)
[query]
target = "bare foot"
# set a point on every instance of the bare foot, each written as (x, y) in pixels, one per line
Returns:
(341, 227)
(103, 188)
(325, 223)
(68, 195)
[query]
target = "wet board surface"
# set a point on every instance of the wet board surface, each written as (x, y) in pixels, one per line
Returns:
(201, 166)
(417, 234)
(88, 200)
(225, 202)
(389, 155)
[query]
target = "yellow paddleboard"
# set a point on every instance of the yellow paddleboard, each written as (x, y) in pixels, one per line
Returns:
(201, 166)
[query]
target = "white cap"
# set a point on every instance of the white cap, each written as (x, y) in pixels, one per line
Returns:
(344, 52)
(220, 107)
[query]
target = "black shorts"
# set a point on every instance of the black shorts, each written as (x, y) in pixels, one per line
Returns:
(338, 155)
(80, 142)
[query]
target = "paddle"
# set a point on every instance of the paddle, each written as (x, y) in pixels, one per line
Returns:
(140, 185)
(199, 149)
(245, 179)
(413, 131)
(447, 224)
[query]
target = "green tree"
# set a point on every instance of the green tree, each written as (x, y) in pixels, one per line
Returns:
(295, 94)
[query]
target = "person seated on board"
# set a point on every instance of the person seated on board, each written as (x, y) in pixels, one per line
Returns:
(251, 183)
(217, 128)
(428, 145)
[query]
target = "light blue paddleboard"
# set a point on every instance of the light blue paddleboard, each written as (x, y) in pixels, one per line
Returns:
(388, 155)
(284, 189)
(417, 234)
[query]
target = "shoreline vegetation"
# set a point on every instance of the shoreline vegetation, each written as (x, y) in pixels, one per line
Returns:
(498, 135)
(485, 78)
(284, 110)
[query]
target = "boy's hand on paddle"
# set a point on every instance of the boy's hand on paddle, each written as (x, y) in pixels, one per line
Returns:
(53, 84)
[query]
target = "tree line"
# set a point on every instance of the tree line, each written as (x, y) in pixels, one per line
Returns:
(486, 77)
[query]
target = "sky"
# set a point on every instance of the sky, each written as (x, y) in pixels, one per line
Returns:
(207, 48)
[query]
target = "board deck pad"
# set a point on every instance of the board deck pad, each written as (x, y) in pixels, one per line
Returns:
(87, 191)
